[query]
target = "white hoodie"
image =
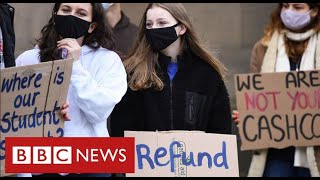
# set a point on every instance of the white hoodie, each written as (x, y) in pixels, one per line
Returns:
(98, 82)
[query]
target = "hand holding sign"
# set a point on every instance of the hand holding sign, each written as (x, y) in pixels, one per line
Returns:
(235, 117)
(64, 112)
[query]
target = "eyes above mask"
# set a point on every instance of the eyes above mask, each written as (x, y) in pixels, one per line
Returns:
(161, 38)
(294, 20)
(70, 26)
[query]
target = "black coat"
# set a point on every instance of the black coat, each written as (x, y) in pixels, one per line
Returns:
(6, 23)
(197, 99)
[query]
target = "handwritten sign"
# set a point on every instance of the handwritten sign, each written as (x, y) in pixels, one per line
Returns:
(278, 109)
(184, 154)
(31, 98)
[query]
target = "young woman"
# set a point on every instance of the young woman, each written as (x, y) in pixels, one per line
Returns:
(98, 79)
(174, 82)
(290, 43)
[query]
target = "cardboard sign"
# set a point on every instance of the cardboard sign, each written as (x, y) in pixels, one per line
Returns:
(278, 109)
(184, 154)
(31, 98)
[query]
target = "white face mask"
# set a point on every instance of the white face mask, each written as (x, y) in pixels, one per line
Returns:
(295, 20)
(106, 6)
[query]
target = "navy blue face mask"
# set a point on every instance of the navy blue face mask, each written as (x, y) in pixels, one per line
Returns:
(71, 26)
(161, 38)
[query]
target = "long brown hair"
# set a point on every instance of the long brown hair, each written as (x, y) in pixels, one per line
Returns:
(142, 62)
(101, 36)
(294, 49)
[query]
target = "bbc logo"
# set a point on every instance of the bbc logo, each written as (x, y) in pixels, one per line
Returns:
(42, 155)
(69, 154)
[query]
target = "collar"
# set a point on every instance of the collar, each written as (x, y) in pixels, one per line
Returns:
(124, 22)
(184, 61)
(85, 49)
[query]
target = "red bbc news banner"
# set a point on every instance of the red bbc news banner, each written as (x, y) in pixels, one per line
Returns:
(69, 155)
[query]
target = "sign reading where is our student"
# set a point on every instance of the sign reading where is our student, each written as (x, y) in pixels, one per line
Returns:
(278, 109)
(31, 98)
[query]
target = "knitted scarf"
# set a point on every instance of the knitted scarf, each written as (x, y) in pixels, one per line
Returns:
(276, 59)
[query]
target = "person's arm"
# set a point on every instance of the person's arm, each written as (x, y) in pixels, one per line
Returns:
(128, 114)
(256, 59)
(220, 121)
(122, 115)
(98, 96)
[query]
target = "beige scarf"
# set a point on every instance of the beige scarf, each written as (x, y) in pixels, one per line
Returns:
(276, 60)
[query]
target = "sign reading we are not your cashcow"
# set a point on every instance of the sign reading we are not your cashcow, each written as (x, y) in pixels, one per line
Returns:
(278, 109)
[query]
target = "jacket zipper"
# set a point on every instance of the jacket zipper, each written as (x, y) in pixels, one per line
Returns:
(171, 106)
(191, 109)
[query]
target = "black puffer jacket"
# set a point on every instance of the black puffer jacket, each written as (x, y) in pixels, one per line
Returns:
(197, 99)
(6, 23)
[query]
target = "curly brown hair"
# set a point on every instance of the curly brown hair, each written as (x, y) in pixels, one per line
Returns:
(294, 49)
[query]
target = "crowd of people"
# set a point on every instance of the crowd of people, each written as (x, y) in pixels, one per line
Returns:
(150, 77)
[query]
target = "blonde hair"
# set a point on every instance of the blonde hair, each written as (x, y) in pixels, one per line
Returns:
(142, 63)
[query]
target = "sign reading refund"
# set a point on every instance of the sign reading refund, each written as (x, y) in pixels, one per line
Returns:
(184, 154)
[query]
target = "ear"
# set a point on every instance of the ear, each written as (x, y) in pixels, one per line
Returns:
(314, 12)
(92, 27)
(183, 30)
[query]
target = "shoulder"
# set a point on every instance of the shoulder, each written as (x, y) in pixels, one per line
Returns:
(7, 11)
(205, 68)
(260, 45)
(6, 7)
(105, 60)
(258, 51)
(108, 55)
(28, 57)
(133, 27)
(206, 77)
(102, 55)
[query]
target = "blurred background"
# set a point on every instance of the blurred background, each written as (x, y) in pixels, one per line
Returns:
(230, 29)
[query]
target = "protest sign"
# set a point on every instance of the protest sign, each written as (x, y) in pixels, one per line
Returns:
(31, 97)
(184, 154)
(278, 109)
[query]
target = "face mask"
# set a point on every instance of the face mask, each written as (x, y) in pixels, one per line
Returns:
(160, 38)
(294, 20)
(106, 6)
(71, 26)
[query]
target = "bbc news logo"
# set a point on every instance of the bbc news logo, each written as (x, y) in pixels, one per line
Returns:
(69, 154)
(41, 155)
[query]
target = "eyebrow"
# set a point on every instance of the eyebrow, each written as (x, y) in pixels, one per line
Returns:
(81, 9)
(157, 19)
(162, 19)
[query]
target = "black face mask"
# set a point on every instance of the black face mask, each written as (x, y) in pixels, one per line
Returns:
(161, 38)
(71, 26)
